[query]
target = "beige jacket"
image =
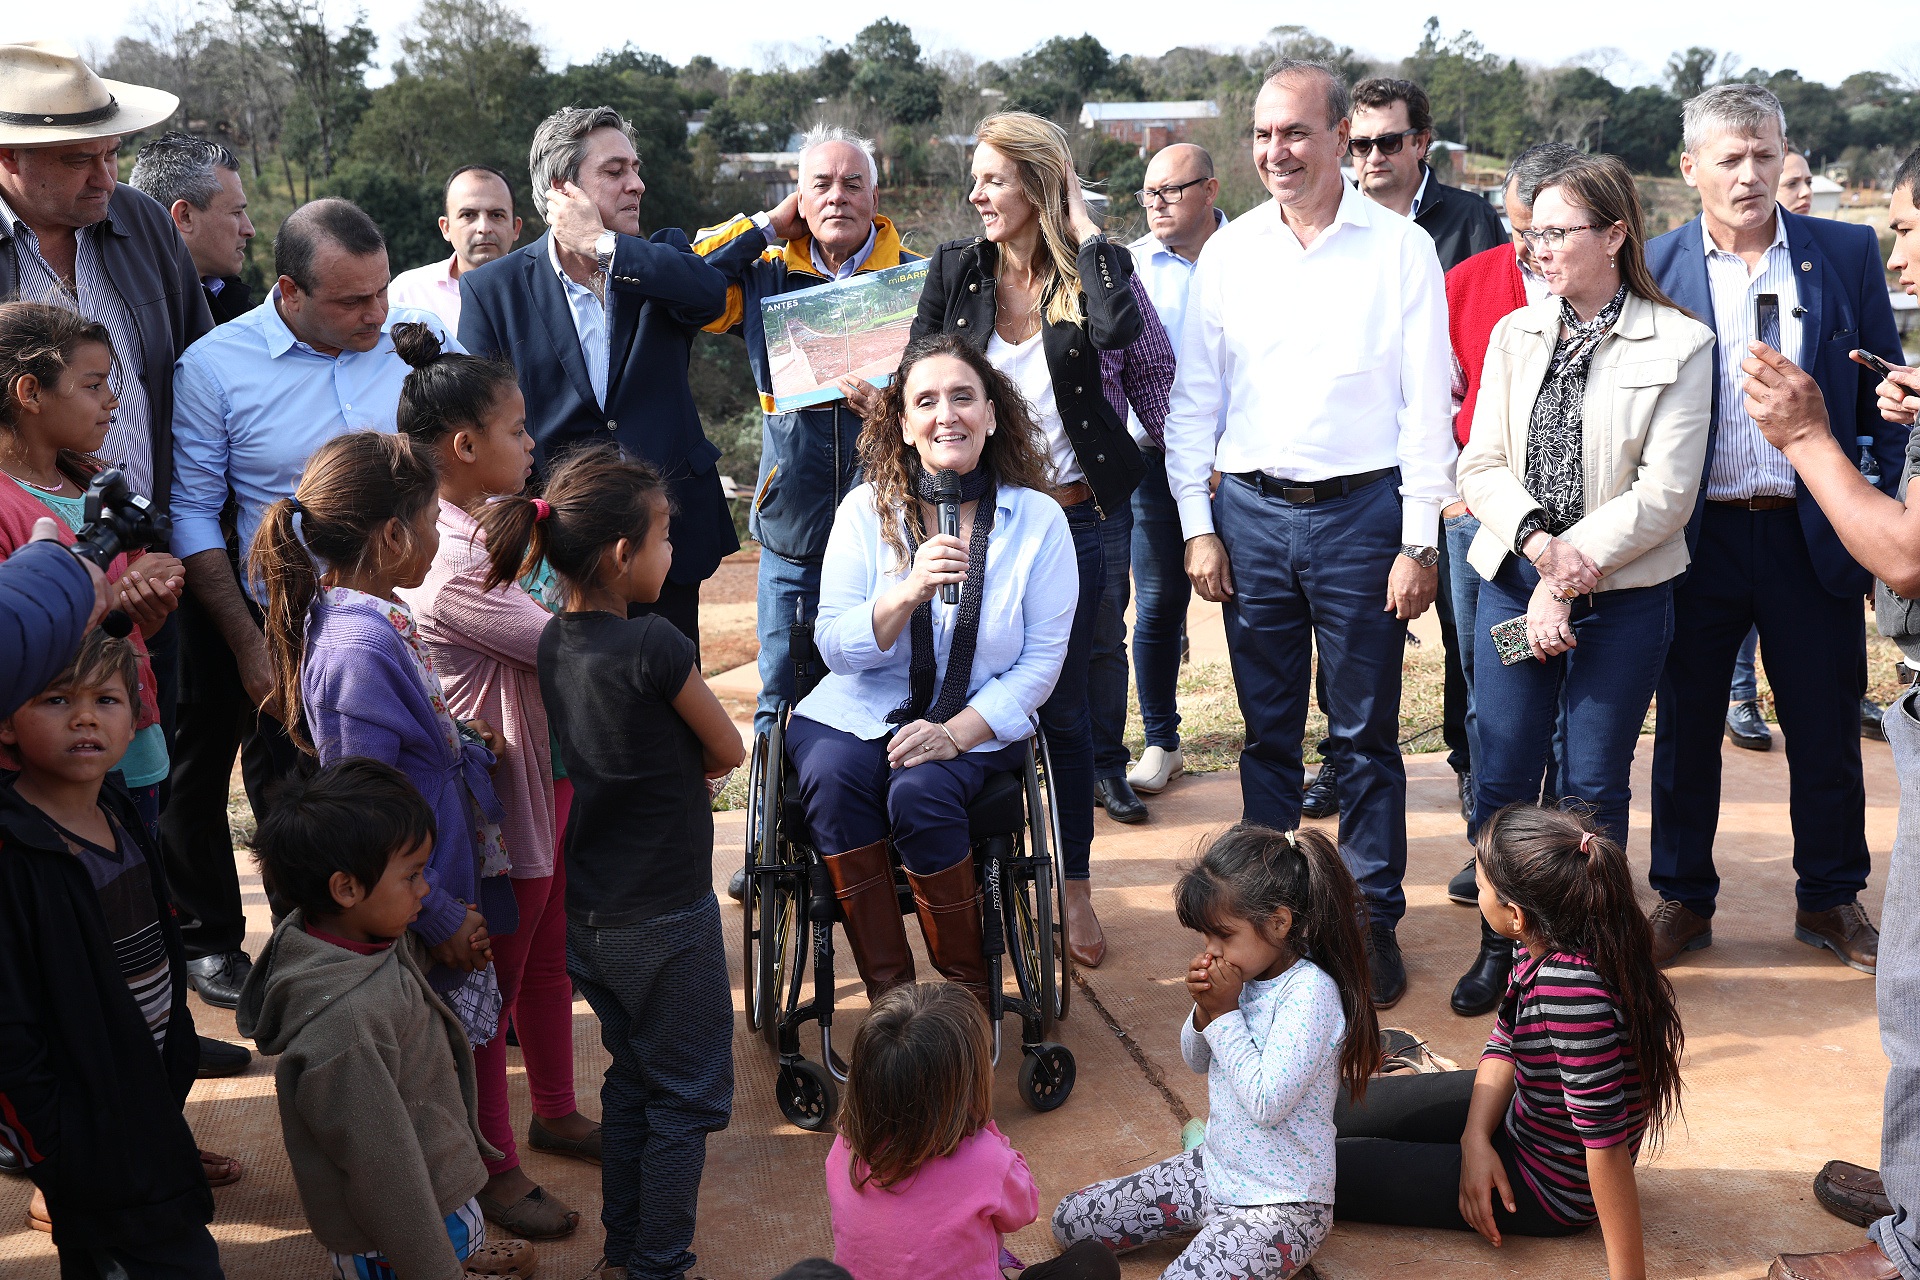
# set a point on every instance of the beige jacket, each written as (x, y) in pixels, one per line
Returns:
(1648, 406)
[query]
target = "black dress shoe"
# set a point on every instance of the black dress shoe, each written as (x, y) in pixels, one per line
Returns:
(219, 978)
(737, 887)
(1870, 727)
(1482, 987)
(1464, 888)
(219, 1058)
(10, 1161)
(1322, 799)
(1466, 796)
(1746, 729)
(1388, 970)
(1117, 797)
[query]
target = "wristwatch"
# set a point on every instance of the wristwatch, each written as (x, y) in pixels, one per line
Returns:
(1425, 557)
(603, 249)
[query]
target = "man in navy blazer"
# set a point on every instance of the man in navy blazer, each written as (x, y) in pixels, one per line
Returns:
(1764, 554)
(599, 324)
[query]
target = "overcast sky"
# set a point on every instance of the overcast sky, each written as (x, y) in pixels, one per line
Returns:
(754, 33)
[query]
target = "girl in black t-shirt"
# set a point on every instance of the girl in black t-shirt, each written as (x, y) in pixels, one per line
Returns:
(641, 736)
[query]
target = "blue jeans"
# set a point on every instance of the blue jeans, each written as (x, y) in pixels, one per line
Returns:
(1316, 574)
(784, 585)
(1160, 607)
(1746, 679)
(1463, 588)
(1603, 687)
(1107, 672)
(1066, 716)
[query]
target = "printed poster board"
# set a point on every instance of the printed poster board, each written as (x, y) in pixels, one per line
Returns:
(855, 326)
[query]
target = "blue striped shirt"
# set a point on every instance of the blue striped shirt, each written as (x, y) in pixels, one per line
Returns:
(1744, 465)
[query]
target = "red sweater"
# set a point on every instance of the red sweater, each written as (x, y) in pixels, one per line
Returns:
(1480, 292)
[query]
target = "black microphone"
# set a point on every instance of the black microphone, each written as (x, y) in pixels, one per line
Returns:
(946, 495)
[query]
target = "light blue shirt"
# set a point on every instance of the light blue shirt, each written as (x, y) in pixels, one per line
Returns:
(589, 313)
(1032, 588)
(251, 404)
(1166, 275)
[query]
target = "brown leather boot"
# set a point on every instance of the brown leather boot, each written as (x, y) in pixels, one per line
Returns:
(948, 904)
(863, 882)
(1863, 1263)
(1845, 931)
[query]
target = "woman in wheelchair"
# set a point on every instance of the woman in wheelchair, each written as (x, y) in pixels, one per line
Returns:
(925, 700)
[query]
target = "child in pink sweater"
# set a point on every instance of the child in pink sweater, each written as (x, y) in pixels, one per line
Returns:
(922, 1184)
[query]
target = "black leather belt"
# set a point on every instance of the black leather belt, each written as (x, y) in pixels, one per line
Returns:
(1302, 492)
(1765, 502)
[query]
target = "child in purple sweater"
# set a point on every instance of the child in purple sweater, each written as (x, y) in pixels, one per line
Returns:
(353, 679)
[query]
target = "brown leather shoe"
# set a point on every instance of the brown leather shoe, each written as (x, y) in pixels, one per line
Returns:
(1676, 929)
(948, 904)
(1852, 1193)
(1845, 931)
(1086, 942)
(1863, 1263)
(863, 881)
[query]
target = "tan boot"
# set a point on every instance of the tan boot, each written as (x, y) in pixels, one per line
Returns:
(1085, 941)
(863, 882)
(948, 904)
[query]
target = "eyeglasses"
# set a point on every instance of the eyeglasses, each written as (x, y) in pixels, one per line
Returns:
(1389, 143)
(1171, 194)
(1553, 237)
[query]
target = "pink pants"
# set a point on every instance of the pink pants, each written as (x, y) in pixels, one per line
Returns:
(531, 963)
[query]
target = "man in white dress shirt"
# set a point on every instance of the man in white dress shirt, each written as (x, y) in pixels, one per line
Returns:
(480, 225)
(1318, 324)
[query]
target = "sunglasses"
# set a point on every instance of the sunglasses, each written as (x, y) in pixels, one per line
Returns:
(1389, 143)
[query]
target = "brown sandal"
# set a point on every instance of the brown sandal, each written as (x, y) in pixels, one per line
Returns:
(501, 1258)
(534, 1216)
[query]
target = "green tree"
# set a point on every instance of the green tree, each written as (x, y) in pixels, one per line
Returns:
(1816, 122)
(1696, 68)
(1643, 129)
(328, 67)
(1299, 42)
(1478, 99)
(1056, 77)
(889, 76)
(642, 87)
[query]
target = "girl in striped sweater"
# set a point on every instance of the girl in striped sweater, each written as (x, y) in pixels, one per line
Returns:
(1582, 1068)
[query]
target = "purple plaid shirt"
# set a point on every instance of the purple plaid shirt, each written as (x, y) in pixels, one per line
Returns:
(1141, 374)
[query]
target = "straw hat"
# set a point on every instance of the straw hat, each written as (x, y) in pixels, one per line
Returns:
(48, 96)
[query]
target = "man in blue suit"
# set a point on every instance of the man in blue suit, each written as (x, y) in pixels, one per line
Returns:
(599, 323)
(1764, 554)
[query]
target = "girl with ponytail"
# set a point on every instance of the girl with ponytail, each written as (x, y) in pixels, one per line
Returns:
(355, 679)
(467, 416)
(1281, 1021)
(1582, 1068)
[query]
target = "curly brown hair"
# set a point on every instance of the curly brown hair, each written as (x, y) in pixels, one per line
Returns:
(1016, 452)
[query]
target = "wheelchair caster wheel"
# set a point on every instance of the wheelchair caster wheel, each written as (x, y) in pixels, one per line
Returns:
(1046, 1076)
(807, 1096)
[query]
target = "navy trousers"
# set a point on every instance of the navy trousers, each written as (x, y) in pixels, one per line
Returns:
(1600, 690)
(1163, 591)
(1107, 656)
(854, 797)
(1751, 569)
(1067, 714)
(661, 993)
(1315, 575)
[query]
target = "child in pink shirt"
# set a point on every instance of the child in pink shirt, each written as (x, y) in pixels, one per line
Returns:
(921, 1183)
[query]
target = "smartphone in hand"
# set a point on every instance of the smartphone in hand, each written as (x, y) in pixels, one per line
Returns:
(1871, 361)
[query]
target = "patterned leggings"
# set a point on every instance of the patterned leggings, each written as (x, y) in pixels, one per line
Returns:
(1235, 1242)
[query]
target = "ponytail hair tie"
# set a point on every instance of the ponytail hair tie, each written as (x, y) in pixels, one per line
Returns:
(1293, 839)
(293, 505)
(541, 510)
(1586, 837)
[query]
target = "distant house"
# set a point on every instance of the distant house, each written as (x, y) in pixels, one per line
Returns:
(1147, 125)
(1826, 197)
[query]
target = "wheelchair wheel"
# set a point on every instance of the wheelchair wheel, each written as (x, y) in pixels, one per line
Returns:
(1046, 1076)
(775, 948)
(1049, 895)
(750, 932)
(808, 1098)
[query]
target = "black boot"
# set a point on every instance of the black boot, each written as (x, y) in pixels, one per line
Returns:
(1482, 987)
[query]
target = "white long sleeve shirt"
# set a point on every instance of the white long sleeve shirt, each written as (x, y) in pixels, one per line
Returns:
(1312, 362)
(1273, 1070)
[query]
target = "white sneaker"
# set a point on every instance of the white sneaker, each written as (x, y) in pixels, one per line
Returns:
(1158, 766)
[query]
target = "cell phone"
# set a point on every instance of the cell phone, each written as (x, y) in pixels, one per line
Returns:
(1766, 319)
(1510, 640)
(1870, 360)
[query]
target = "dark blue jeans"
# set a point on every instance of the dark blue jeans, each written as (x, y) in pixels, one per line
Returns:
(1603, 686)
(1066, 716)
(1461, 588)
(1107, 672)
(855, 798)
(1310, 575)
(1162, 593)
(785, 585)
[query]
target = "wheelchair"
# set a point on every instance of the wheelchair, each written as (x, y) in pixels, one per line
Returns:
(791, 910)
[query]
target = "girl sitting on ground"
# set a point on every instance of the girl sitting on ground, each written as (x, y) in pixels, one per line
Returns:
(1277, 1034)
(1582, 1068)
(468, 415)
(921, 1183)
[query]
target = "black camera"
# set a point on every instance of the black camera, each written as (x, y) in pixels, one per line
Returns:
(117, 520)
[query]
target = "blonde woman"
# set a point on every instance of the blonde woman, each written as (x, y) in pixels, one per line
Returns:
(1586, 456)
(1054, 306)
